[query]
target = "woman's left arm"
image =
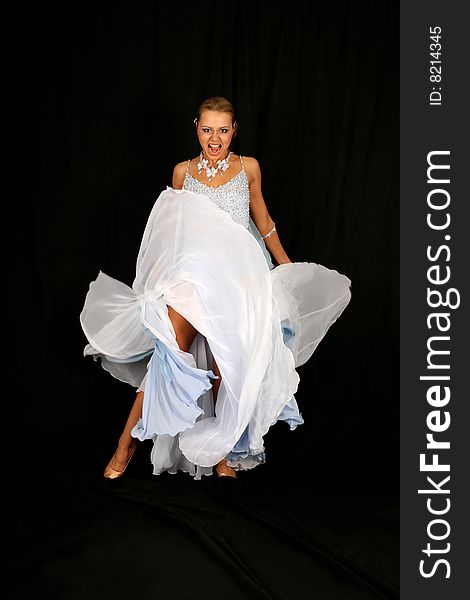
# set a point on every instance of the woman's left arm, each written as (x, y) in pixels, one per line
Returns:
(260, 214)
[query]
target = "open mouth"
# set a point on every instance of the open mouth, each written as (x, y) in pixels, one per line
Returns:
(214, 149)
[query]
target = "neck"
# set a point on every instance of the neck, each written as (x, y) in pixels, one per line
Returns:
(212, 161)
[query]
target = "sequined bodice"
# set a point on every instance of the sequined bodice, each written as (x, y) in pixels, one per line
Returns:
(232, 196)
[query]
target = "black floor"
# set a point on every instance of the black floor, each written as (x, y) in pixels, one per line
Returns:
(292, 530)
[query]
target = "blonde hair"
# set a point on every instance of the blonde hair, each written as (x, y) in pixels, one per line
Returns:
(219, 104)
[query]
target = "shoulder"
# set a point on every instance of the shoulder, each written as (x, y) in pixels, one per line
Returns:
(252, 168)
(179, 173)
(180, 168)
(250, 162)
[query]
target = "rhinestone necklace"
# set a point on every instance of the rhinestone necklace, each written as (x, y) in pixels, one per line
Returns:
(211, 172)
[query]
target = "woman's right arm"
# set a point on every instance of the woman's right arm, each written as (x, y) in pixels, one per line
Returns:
(178, 176)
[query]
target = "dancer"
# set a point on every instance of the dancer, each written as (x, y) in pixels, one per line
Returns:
(211, 332)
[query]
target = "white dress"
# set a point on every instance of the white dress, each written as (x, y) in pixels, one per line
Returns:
(202, 254)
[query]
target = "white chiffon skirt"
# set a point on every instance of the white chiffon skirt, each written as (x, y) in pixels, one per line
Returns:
(259, 322)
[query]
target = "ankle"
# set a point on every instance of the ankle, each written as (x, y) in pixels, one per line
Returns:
(125, 442)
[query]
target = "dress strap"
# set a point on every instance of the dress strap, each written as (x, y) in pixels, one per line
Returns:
(243, 166)
(187, 167)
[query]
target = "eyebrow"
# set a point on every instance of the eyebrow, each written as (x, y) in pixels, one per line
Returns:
(221, 127)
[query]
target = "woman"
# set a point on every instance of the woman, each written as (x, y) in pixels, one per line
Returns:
(224, 328)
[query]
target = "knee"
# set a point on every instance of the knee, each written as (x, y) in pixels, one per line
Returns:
(185, 332)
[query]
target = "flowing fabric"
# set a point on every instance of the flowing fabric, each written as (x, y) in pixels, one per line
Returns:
(259, 322)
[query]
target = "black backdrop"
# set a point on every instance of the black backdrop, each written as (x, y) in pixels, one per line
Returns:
(100, 103)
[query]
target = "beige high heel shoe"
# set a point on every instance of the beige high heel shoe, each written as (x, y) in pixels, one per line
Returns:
(223, 470)
(111, 473)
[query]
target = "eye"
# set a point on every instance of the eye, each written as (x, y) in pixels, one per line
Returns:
(206, 130)
(224, 130)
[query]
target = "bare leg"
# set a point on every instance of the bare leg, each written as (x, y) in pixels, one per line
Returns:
(126, 441)
(185, 334)
(215, 382)
(221, 467)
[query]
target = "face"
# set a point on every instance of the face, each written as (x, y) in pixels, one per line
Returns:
(215, 132)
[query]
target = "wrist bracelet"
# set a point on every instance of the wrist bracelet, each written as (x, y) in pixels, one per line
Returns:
(269, 233)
